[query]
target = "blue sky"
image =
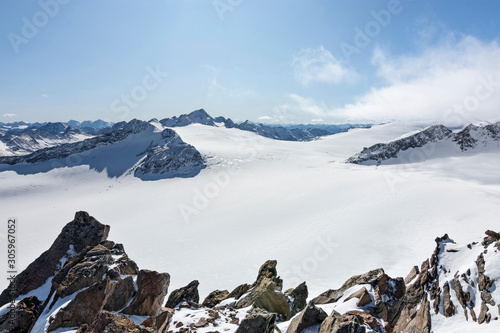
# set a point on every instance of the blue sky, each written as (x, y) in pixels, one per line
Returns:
(272, 61)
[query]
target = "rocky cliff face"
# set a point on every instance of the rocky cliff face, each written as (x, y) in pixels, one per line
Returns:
(92, 286)
(172, 158)
(470, 138)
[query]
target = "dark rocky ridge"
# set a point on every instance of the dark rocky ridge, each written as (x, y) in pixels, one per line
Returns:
(101, 287)
(466, 140)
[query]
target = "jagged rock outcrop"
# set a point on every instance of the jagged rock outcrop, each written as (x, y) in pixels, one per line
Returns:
(188, 293)
(265, 292)
(297, 298)
(96, 288)
(84, 308)
(84, 231)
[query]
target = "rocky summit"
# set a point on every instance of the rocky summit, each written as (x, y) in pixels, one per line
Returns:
(86, 283)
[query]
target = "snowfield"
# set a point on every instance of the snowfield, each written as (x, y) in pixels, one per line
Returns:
(323, 220)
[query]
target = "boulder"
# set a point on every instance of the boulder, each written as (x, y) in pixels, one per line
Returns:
(123, 292)
(22, 317)
(258, 321)
(188, 293)
(297, 299)
(310, 316)
(84, 231)
(214, 298)
(152, 288)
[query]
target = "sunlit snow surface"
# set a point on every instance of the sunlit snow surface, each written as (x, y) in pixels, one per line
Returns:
(296, 202)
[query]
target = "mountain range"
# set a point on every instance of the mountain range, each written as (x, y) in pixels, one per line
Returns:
(149, 150)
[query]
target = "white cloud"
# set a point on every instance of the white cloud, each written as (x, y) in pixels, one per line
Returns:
(317, 121)
(264, 118)
(44, 95)
(10, 115)
(453, 83)
(319, 65)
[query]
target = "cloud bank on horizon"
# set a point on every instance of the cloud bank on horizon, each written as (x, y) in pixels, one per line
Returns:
(454, 82)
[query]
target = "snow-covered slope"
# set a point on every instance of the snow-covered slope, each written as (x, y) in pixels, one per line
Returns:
(258, 199)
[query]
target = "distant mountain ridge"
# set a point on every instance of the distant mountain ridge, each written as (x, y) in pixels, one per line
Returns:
(22, 138)
(277, 132)
(471, 138)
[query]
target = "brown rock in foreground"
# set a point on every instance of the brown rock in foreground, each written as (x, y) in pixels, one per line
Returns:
(84, 231)
(153, 287)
